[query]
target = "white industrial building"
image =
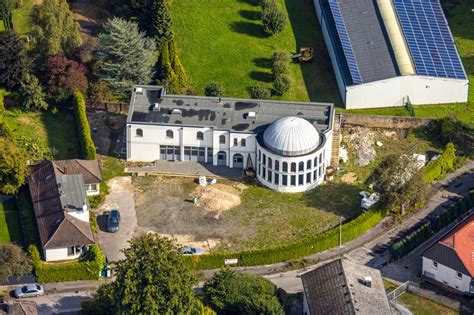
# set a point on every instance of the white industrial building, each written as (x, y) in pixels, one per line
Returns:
(287, 144)
(386, 52)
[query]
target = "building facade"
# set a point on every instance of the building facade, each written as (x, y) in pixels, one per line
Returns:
(236, 133)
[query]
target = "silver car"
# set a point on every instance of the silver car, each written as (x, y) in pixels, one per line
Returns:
(29, 291)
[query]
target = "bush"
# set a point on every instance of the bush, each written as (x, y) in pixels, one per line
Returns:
(214, 89)
(274, 19)
(439, 168)
(259, 92)
(292, 250)
(88, 268)
(84, 131)
(282, 83)
(280, 62)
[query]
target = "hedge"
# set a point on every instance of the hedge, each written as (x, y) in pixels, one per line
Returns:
(292, 250)
(439, 168)
(88, 268)
(426, 229)
(83, 129)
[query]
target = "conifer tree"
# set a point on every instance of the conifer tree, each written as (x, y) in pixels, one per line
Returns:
(14, 61)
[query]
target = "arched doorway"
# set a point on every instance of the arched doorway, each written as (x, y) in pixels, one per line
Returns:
(221, 158)
(238, 161)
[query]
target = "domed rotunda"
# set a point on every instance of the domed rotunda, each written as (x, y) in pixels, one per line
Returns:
(291, 155)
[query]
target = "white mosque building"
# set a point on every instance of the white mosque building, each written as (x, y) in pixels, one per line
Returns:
(287, 144)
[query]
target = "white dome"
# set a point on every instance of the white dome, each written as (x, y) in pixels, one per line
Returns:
(291, 136)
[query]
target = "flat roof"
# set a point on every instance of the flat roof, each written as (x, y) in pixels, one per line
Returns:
(220, 113)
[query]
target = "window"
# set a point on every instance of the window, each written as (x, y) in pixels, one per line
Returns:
(270, 163)
(320, 158)
(74, 250)
(264, 159)
(284, 179)
(301, 166)
(199, 135)
(277, 179)
(91, 187)
(269, 177)
(435, 265)
(236, 142)
(169, 134)
(243, 142)
(308, 178)
(301, 179)
(277, 165)
(293, 180)
(285, 167)
(264, 172)
(315, 162)
(222, 139)
(308, 165)
(459, 275)
(315, 174)
(259, 155)
(139, 133)
(293, 167)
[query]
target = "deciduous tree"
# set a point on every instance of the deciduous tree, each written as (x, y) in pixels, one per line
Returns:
(14, 261)
(12, 167)
(125, 55)
(14, 61)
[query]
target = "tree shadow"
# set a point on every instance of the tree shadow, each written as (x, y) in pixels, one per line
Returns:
(248, 28)
(251, 2)
(261, 76)
(263, 63)
(61, 133)
(250, 15)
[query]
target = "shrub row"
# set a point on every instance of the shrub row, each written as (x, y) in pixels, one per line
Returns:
(83, 129)
(431, 226)
(281, 72)
(274, 19)
(88, 268)
(439, 168)
(292, 250)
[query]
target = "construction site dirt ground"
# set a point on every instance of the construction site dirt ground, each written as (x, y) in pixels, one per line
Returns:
(231, 216)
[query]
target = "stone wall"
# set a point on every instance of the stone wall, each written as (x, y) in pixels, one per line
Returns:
(381, 121)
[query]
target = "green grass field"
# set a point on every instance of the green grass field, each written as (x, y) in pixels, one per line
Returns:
(223, 40)
(10, 229)
(46, 131)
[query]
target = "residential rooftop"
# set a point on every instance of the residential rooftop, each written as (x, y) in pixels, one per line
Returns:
(151, 105)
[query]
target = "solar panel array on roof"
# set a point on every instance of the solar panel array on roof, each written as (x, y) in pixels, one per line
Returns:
(429, 39)
(345, 41)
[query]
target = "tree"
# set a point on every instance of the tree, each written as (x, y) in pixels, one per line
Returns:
(14, 261)
(32, 94)
(6, 7)
(273, 18)
(214, 89)
(56, 31)
(63, 77)
(152, 279)
(14, 61)
(101, 92)
(154, 18)
(125, 55)
(228, 292)
(12, 167)
(5, 130)
(169, 70)
(259, 92)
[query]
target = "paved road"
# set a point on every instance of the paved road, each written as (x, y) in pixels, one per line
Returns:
(61, 302)
(121, 197)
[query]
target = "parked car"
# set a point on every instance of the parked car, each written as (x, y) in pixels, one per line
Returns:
(113, 221)
(29, 291)
(188, 250)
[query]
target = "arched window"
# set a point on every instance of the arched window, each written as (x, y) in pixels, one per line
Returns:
(222, 139)
(301, 166)
(277, 165)
(236, 142)
(270, 163)
(315, 162)
(243, 142)
(200, 135)
(308, 165)
(285, 166)
(293, 166)
(169, 134)
(139, 133)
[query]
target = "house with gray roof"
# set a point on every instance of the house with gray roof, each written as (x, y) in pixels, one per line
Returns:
(343, 287)
(60, 203)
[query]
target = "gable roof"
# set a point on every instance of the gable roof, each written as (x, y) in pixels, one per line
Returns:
(455, 249)
(336, 288)
(53, 195)
(89, 169)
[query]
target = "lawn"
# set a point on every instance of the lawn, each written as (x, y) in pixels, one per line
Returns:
(10, 229)
(223, 40)
(421, 306)
(41, 133)
(461, 22)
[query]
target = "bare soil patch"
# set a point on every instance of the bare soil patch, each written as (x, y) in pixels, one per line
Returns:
(219, 197)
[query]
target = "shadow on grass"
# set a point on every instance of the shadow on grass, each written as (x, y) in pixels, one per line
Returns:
(248, 28)
(263, 63)
(250, 15)
(318, 74)
(261, 76)
(62, 133)
(12, 221)
(251, 2)
(337, 198)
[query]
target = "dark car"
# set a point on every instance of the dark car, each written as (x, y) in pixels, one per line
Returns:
(29, 291)
(113, 221)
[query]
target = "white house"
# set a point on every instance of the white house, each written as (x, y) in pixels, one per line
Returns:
(61, 206)
(274, 138)
(385, 52)
(450, 260)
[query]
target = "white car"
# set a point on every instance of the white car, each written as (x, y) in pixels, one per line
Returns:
(29, 290)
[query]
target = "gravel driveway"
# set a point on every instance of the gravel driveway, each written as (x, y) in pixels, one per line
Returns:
(121, 197)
